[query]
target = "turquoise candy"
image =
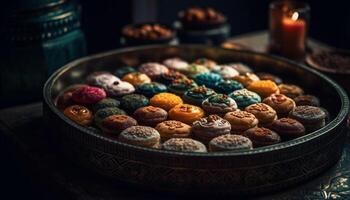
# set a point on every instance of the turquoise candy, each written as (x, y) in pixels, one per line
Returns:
(105, 103)
(197, 95)
(150, 89)
(180, 86)
(228, 86)
(131, 102)
(105, 112)
(120, 72)
(208, 79)
(245, 97)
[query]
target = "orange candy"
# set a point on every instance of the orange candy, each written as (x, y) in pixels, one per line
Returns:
(79, 114)
(165, 100)
(264, 88)
(136, 78)
(186, 113)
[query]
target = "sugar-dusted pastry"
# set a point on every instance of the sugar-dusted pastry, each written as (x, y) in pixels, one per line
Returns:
(184, 145)
(208, 79)
(136, 78)
(173, 129)
(119, 88)
(219, 104)
(313, 118)
(150, 115)
(197, 95)
(101, 79)
(241, 121)
(165, 100)
(88, 95)
(288, 128)
(105, 103)
(280, 103)
(230, 142)
(151, 89)
(263, 112)
(131, 102)
(79, 114)
(226, 72)
(115, 124)
(186, 113)
(271, 77)
(175, 63)
(264, 88)
(245, 97)
(227, 86)
(207, 128)
(140, 136)
(180, 86)
(307, 100)
(153, 70)
(246, 79)
(290, 90)
(262, 136)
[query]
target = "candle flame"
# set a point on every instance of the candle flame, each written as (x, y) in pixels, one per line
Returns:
(295, 16)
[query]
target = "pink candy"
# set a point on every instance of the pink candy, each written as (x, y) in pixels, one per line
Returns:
(88, 95)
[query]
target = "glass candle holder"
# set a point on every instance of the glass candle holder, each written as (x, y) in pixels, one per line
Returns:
(288, 23)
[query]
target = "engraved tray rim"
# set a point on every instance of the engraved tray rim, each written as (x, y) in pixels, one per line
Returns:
(344, 108)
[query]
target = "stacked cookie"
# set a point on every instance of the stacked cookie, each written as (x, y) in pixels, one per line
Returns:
(192, 107)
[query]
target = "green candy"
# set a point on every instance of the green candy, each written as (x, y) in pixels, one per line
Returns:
(105, 103)
(131, 102)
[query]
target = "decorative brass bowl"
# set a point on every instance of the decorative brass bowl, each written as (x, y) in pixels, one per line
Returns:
(241, 172)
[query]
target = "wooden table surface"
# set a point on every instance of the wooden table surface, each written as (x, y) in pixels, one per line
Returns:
(51, 176)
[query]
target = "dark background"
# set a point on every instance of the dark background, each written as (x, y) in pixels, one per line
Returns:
(102, 21)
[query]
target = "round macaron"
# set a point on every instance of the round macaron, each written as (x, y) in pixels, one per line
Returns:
(165, 100)
(246, 79)
(245, 97)
(313, 118)
(226, 72)
(227, 86)
(240, 67)
(88, 95)
(136, 78)
(280, 103)
(263, 112)
(197, 95)
(186, 113)
(219, 104)
(101, 79)
(194, 69)
(230, 142)
(153, 70)
(288, 128)
(131, 102)
(264, 88)
(207, 79)
(241, 121)
(140, 136)
(262, 136)
(150, 115)
(79, 114)
(208, 63)
(170, 76)
(64, 98)
(290, 90)
(101, 114)
(114, 124)
(173, 129)
(184, 145)
(271, 77)
(207, 128)
(151, 89)
(175, 64)
(180, 86)
(307, 100)
(105, 103)
(121, 71)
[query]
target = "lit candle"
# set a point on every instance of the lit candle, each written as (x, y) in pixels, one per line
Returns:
(293, 36)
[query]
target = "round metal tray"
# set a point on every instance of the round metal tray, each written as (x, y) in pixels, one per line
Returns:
(242, 172)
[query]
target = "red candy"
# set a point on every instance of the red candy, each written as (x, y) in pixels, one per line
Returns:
(88, 95)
